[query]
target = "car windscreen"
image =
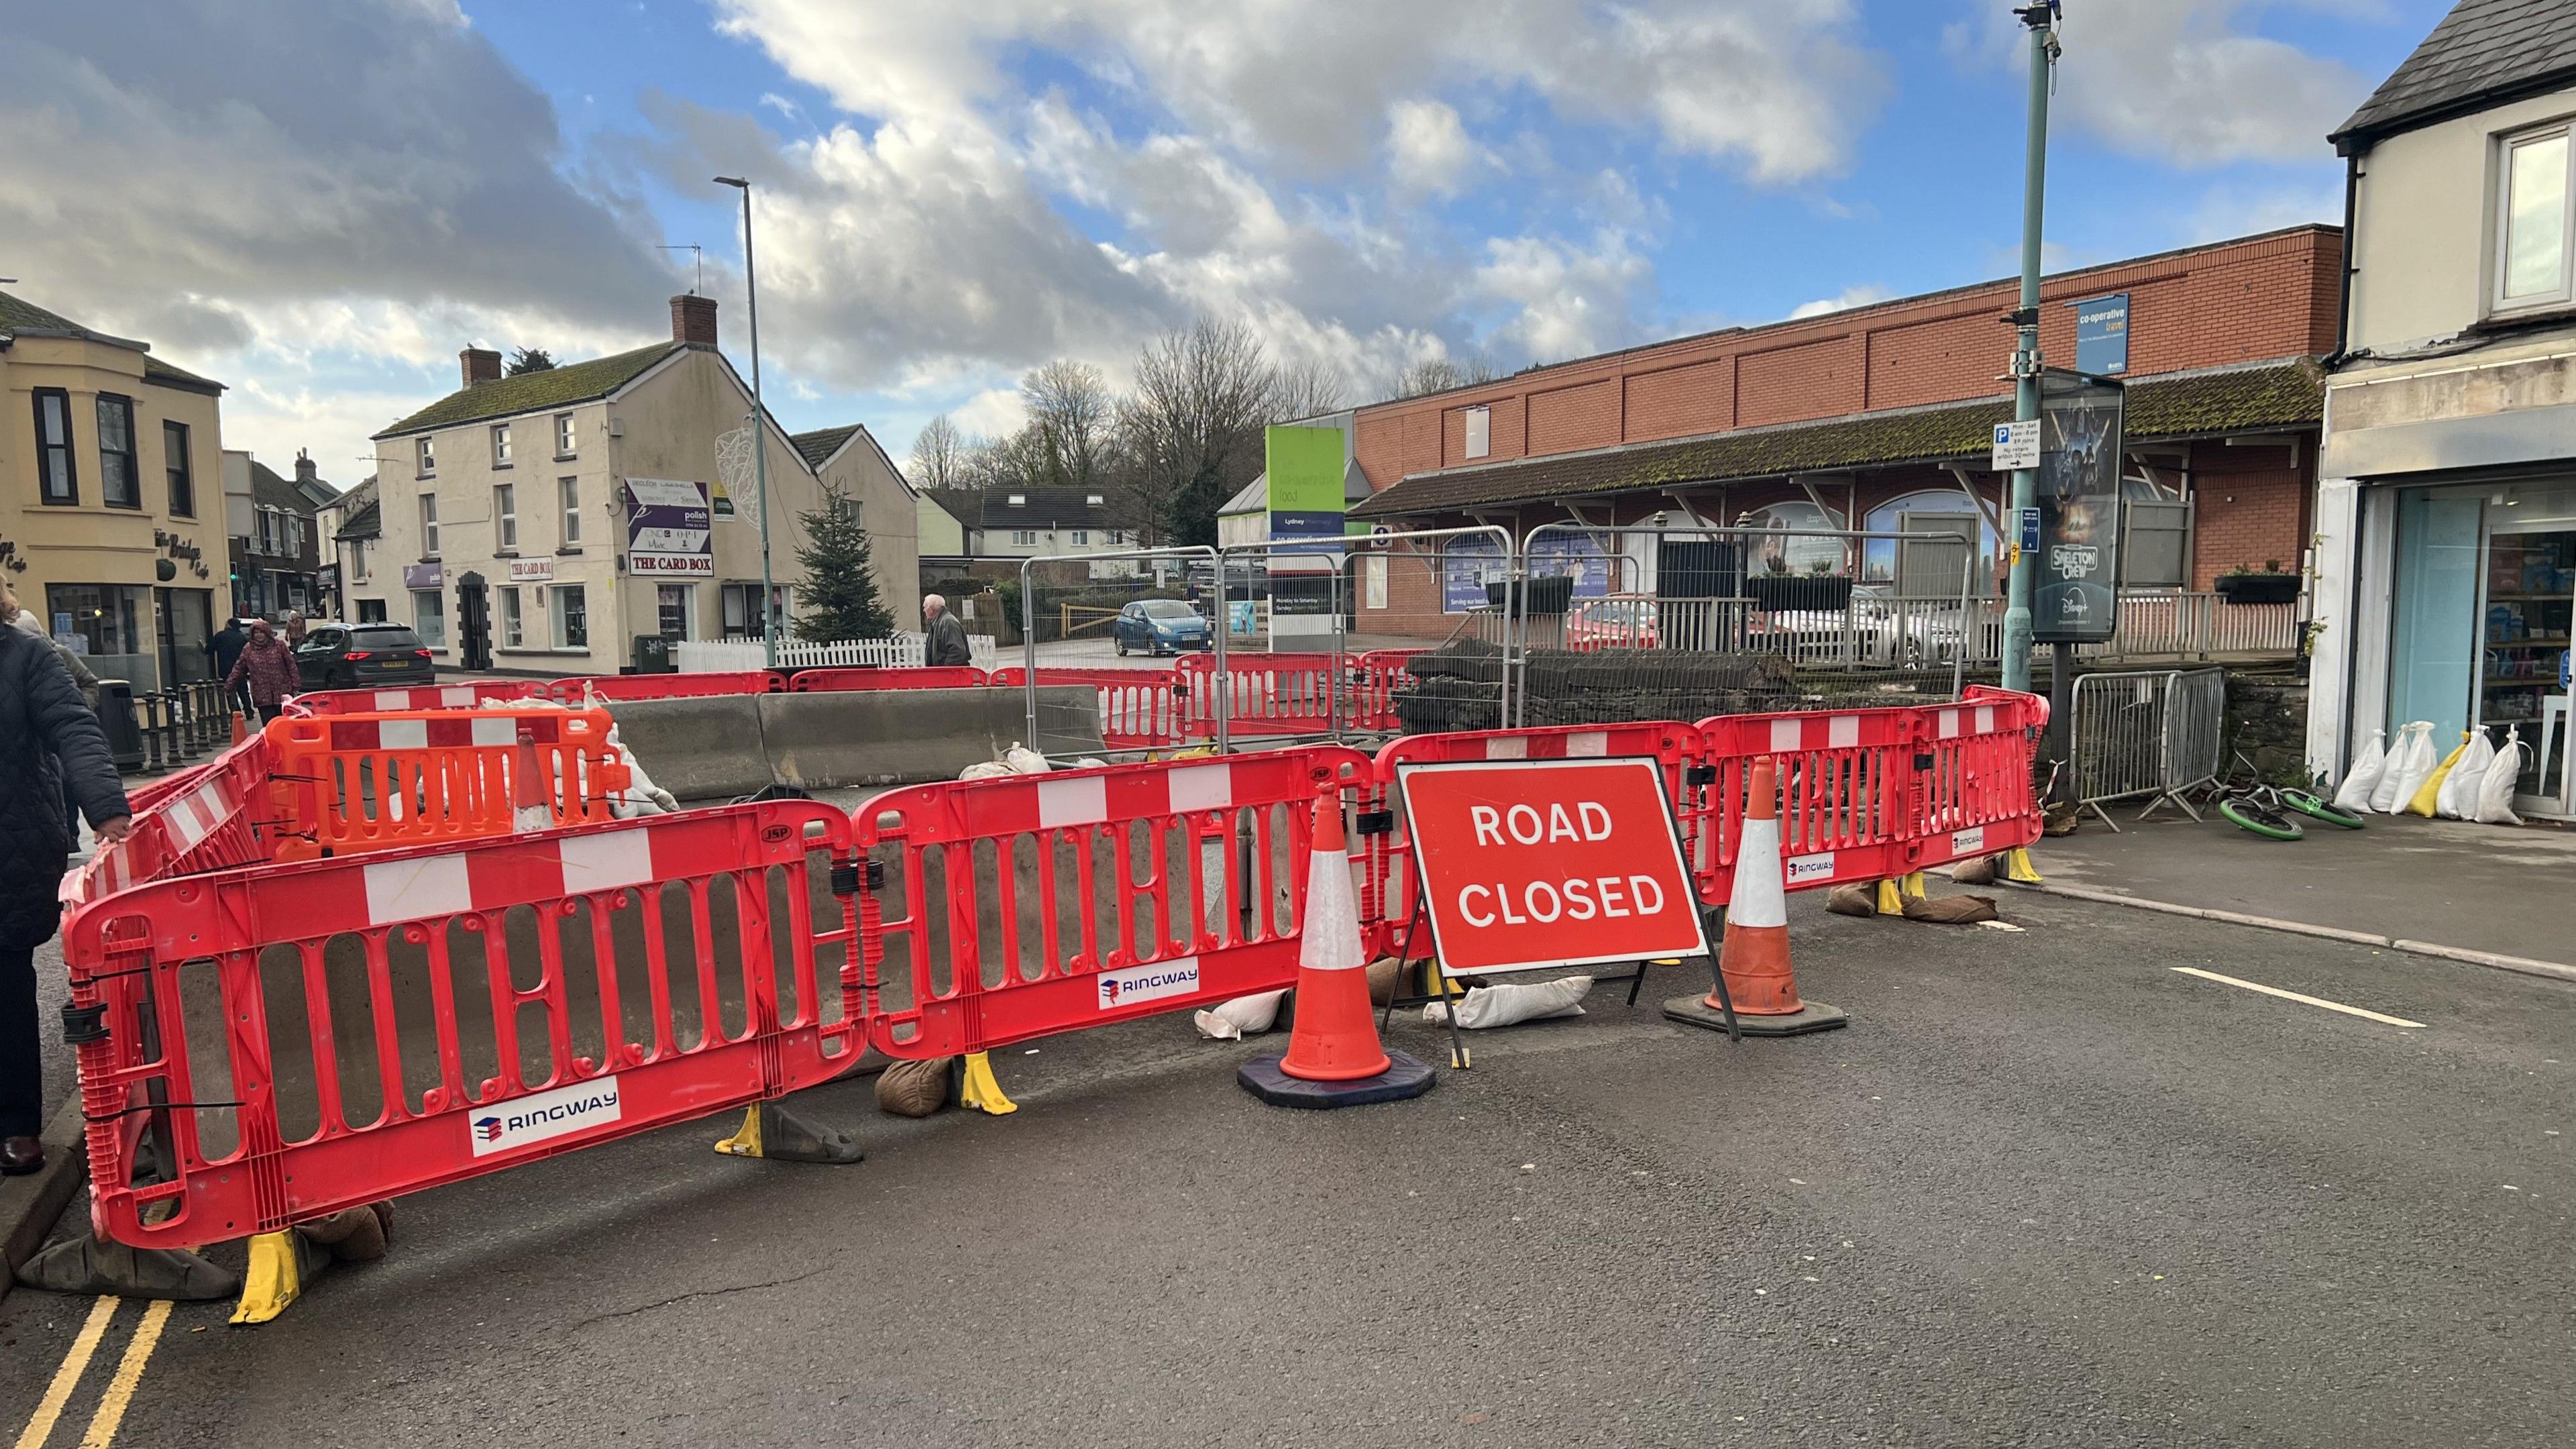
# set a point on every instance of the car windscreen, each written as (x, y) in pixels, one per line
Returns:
(394, 638)
(1169, 609)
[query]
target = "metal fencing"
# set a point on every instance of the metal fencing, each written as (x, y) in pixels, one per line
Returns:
(2147, 733)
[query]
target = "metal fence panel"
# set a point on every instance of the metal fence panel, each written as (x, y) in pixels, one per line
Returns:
(2152, 733)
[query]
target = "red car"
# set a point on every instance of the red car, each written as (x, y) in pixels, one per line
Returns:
(1618, 621)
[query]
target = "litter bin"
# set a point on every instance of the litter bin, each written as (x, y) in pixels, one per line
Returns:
(116, 716)
(653, 655)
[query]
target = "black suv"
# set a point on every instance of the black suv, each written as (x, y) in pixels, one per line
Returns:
(362, 656)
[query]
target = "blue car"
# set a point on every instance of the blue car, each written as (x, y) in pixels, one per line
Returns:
(1159, 626)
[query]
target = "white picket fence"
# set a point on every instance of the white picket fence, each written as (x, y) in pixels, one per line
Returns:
(726, 656)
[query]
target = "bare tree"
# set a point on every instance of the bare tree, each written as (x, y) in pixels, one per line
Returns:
(1439, 374)
(1072, 411)
(1303, 390)
(939, 455)
(1192, 428)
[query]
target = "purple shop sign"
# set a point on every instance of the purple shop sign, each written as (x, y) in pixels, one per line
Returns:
(424, 576)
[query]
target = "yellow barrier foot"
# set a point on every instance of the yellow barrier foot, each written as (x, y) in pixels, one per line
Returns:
(2017, 866)
(981, 1092)
(1891, 901)
(280, 1265)
(770, 1131)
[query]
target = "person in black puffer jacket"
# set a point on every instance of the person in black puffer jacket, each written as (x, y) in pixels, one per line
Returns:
(49, 739)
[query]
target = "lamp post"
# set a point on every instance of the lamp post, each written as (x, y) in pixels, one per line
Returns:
(2040, 18)
(759, 425)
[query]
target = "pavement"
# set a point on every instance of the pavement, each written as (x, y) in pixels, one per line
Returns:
(2508, 890)
(2046, 1190)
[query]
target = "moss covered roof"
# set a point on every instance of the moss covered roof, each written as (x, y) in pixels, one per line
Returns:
(18, 315)
(2264, 398)
(822, 443)
(556, 387)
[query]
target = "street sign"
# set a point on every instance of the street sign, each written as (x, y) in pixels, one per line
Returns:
(2102, 335)
(1537, 863)
(2016, 446)
(2028, 531)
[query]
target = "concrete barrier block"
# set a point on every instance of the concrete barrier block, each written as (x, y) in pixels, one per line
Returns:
(875, 737)
(698, 749)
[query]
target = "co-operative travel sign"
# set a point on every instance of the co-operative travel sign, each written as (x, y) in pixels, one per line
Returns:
(1537, 863)
(669, 527)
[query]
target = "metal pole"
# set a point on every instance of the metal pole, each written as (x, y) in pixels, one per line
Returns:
(759, 425)
(2040, 19)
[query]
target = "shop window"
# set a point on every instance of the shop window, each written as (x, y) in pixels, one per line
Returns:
(372, 611)
(671, 610)
(1787, 551)
(512, 620)
(1934, 510)
(99, 619)
(429, 617)
(571, 618)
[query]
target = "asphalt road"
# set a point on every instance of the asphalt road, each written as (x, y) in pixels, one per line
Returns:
(2045, 1191)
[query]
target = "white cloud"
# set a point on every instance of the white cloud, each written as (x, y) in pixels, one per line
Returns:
(1861, 295)
(1570, 300)
(1429, 151)
(2187, 81)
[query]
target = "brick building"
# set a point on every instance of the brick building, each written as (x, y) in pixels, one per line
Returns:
(1880, 418)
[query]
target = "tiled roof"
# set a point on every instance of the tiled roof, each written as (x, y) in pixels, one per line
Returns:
(2483, 53)
(367, 522)
(2285, 394)
(1044, 508)
(556, 387)
(20, 315)
(155, 370)
(821, 443)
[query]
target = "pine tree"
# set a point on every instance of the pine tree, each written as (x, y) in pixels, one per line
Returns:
(838, 600)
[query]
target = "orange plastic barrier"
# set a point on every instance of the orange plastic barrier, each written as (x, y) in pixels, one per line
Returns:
(469, 695)
(346, 783)
(250, 1017)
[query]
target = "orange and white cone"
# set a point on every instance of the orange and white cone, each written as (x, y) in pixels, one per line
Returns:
(531, 795)
(1753, 960)
(1333, 1057)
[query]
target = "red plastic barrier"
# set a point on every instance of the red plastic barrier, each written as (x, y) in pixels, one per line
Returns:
(955, 676)
(577, 691)
(1847, 783)
(469, 695)
(1977, 796)
(1033, 904)
(252, 1015)
(211, 819)
(348, 783)
(1140, 709)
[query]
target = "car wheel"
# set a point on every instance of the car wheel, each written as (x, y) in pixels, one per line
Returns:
(1120, 644)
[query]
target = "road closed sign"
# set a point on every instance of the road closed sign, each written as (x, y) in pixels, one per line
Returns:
(1534, 863)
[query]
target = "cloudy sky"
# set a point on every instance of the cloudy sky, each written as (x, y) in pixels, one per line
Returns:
(319, 201)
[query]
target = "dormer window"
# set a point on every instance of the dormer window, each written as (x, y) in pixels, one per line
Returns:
(1091, 498)
(1019, 500)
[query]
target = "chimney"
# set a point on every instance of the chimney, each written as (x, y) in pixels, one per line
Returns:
(304, 470)
(693, 319)
(481, 364)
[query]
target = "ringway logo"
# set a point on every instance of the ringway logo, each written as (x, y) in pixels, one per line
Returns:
(545, 1116)
(1963, 842)
(1131, 984)
(1807, 868)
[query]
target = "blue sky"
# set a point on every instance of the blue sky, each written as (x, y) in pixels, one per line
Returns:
(320, 202)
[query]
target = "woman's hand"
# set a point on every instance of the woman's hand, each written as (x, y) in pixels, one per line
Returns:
(114, 830)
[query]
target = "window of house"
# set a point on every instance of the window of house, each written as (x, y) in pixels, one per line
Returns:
(505, 516)
(429, 616)
(372, 611)
(571, 490)
(174, 461)
(1092, 498)
(1024, 536)
(54, 446)
(358, 560)
(1082, 538)
(563, 435)
(1019, 500)
(500, 445)
(118, 485)
(428, 457)
(571, 618)
(2536, 214)
(512, 630)
(429, 525)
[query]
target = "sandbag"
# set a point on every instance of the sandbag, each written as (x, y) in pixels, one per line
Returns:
(2363, 778)
(353, 1235)
(2459, 797)
(2410, 763)
(1950, 910)
(985, 770)
(1023, 760)
(914, 1089)
(1509, 1005)
(1858, 898)
(2430, 792)
(1980, 871)
(2494, 802)
(1385, 975)
(1243, 1016)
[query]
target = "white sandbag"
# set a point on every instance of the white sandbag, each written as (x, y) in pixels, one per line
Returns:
(2416, 761)
(985, 770)
(641, 797)
(2459, 797)
(2494, 803)
(1243, 1016)
(1508, 1005)
(2363, 777)
(1023, 760)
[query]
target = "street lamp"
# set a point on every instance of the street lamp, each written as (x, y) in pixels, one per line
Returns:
(759, 424)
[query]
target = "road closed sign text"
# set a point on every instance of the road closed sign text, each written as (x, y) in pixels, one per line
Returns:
(1538, 863)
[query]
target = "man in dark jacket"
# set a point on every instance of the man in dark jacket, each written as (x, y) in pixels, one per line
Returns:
(49, 740)
(946, 642)
(227, 645)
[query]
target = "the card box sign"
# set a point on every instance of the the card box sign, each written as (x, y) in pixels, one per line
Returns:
(1535, 863)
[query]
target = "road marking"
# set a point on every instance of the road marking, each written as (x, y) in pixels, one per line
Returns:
(129, 1372)
(67, 1377)
(2295, 996)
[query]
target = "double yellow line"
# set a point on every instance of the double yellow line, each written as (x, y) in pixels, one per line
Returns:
(120, 1390)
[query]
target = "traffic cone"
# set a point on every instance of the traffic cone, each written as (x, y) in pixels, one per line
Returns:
(531, 802)
(241, 728)
(1333, 1057)
(1753, 961)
